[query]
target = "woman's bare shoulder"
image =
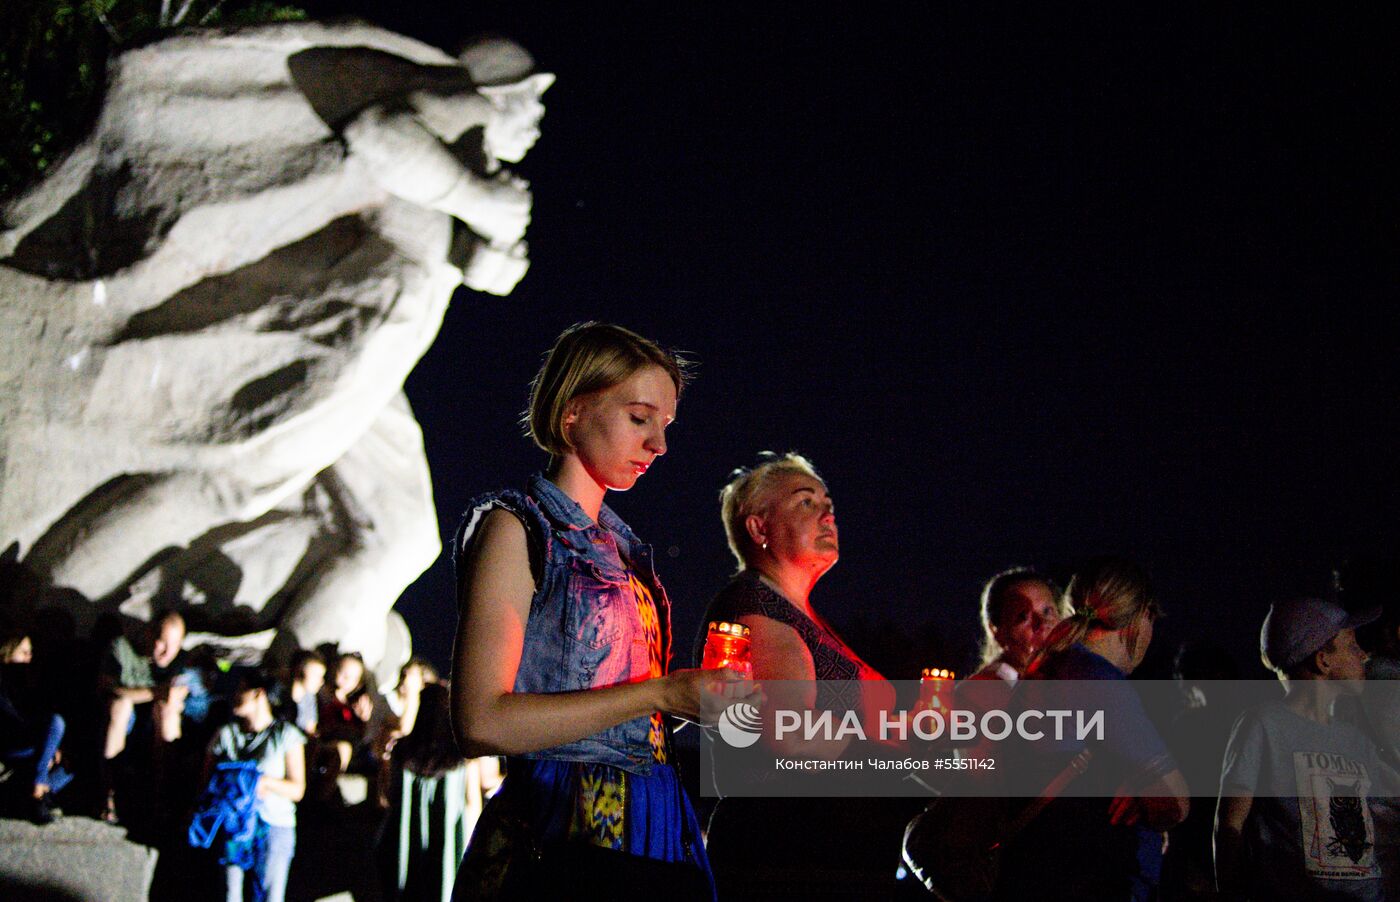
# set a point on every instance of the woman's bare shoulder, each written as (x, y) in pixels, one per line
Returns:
(499, 553)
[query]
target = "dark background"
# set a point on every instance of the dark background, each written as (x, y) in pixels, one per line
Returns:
(1027, 285)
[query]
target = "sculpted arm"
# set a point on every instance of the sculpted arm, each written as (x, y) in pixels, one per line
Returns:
(406, 157)
(489, 717)
(449, 116)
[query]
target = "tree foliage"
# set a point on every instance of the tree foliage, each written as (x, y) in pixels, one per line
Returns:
(53, 58)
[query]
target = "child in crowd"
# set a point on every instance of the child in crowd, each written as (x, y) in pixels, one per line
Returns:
(403, 701)
(1294, 820)
(137, 672)
(30, 733)
(308, 672)
(346, 710)
(277, 747)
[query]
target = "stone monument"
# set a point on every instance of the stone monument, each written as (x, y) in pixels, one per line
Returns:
(207, 313)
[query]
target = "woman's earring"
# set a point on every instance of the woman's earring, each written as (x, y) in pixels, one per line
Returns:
(765, 544)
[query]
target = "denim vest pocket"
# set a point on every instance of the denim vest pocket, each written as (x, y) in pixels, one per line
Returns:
(597, 603)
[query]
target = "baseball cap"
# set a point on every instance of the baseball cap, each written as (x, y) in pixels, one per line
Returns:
(1299, 627)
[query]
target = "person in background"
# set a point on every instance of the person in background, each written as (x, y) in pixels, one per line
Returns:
(1364, 583)
(1104, 839)
(1372, 583)
(1207, 678)
(30, 734)
(1020, 608)
(562, 658)
(16, 647)
(136, 672)
(1294, 820)
(432, 805)
(278, 749)
(397, 721)
(345, 710)
(780, 522)
(403, 701)
(308, 675)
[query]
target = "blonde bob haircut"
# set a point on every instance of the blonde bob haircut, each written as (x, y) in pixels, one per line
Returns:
(586, 358)
(744, 494)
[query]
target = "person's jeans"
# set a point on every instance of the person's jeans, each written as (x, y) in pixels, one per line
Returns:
(39, 755)
(45, 772)
(269, 871)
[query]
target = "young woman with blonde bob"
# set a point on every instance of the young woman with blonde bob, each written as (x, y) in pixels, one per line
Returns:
(563, 647)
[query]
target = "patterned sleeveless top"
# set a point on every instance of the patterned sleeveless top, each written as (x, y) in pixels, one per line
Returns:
(651, 626)
(600, 801)
(748, 594)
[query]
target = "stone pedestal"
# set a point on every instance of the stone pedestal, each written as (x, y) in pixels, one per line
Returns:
(74, 859)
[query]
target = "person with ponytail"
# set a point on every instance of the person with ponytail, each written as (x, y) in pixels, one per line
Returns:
(1112, 613)
(1102, 838)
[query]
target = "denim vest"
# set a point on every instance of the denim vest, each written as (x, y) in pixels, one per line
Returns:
(584, 631)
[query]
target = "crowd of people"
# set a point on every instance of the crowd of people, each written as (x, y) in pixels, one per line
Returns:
(563, 665)
(186, 750)
(547, 768)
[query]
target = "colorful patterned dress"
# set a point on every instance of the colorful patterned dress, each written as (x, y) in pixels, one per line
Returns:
(570, 801)
(600, 801)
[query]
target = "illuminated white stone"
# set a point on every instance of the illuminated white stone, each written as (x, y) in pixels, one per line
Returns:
(209, 308)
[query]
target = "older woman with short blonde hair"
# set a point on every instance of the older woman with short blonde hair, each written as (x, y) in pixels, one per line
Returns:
(744, 495)
(780, 521)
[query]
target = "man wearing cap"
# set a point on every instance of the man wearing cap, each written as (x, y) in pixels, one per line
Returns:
(1294, 818)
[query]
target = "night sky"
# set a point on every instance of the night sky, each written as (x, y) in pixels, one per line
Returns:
(1026, 290)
